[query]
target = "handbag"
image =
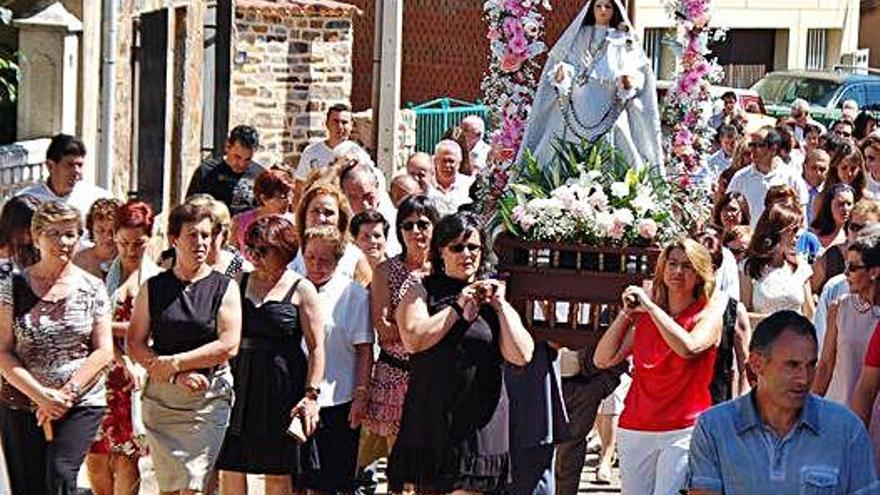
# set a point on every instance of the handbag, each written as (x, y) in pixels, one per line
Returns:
(13, 398)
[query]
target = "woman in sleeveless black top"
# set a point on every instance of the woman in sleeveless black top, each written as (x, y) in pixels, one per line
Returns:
(192, 314)
(271, 370)
(454, 428)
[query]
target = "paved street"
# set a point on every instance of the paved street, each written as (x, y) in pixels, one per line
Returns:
(587, 477)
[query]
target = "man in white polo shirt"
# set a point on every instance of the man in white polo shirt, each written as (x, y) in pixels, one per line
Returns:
(767, 171)
(65, 160)
(451, 187)
(320, 154)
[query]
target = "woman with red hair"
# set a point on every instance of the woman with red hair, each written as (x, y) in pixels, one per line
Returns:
(273, 190)
(113, 460)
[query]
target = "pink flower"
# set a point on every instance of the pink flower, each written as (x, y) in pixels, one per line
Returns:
(516, 7)
(494, 34)
(648, 228)
(519, 45)
(511, 62)
(513, 28)
(617, 230)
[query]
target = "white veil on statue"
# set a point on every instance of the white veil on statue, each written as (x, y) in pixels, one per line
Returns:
(636, 131)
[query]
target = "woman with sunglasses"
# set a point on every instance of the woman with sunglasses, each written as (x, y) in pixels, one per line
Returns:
(774, 276)
(459, 331)
(416, 217)
(851, 321)
(672, 335)
(113, 460)
(273, 190)
(274, 380)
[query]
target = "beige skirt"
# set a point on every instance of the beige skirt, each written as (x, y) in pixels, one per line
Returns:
(185, 431)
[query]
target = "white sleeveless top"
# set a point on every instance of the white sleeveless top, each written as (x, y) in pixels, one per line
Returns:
(854, 330)
(781, 288)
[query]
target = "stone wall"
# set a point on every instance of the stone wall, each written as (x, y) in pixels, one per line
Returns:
(288, 66)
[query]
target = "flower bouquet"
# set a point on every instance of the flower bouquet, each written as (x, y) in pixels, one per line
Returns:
(589, 195)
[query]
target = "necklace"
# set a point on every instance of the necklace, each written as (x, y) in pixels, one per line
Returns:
(860, 304)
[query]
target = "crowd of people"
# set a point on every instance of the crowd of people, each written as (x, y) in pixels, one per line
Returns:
(303, 323)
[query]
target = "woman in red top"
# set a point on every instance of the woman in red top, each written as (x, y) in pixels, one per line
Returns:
(672, 336)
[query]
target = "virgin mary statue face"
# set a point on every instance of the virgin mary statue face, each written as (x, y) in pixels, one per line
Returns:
(603, 10)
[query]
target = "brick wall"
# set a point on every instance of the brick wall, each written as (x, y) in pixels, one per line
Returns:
(287, 69)
(445, 51)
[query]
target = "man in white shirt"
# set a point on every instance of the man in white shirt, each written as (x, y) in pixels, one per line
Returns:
(452, 188)
(816, 166)
(361, 187)
(800, 117)
(474, 130)
(65, 160)
(320, 154)
(720, 160)
(768, 170)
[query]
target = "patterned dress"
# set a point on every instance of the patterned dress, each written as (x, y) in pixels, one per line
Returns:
(391, 372)
(116, 433)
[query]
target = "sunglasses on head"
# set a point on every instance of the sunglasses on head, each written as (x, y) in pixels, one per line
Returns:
(459, 248)
(423, 225)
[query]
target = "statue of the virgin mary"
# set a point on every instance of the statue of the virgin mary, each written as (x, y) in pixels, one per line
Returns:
(597, 84)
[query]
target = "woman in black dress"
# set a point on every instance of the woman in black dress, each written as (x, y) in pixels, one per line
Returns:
(460, 330)
(192, 314)
(273, 379)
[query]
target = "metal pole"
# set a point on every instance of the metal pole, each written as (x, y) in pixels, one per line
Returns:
(107, 154)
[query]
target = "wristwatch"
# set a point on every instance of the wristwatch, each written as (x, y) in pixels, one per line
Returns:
(313, 392)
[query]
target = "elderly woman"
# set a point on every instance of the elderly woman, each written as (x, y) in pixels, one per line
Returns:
(415, 225)
(223, 257)
(460, 331)
(99, 224)
(185, 327)
(672, 337)
(113, 460)
(273, 190)
(274, 380)
(348, 344)
(774, 277)
(324, 204)
(55, 340)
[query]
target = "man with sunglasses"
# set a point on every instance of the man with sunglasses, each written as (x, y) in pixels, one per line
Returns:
(767, 171)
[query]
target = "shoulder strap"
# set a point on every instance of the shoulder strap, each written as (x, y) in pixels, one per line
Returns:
(292, 289)
(243, 286)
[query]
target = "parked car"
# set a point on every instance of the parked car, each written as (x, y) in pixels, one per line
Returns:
(748, 99)
(825, 91)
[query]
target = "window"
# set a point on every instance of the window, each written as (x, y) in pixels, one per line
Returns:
(654, 47)
(817, 49)
(872, 96)
(856, 92)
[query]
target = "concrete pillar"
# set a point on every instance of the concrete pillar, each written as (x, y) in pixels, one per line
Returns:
(47, 101)
(388, 111)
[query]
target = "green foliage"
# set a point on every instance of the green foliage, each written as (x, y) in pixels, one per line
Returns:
(9, 70)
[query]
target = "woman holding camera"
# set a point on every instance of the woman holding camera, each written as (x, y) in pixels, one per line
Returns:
(672, 337)
(459, 330)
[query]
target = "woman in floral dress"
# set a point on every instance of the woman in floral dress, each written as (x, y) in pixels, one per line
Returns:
(113, 460)
(415, 224)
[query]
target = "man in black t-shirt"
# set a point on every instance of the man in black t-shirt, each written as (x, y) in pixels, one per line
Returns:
(231, 179)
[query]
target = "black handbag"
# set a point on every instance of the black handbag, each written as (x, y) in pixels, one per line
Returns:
(13, 398)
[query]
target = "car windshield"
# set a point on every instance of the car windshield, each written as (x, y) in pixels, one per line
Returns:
(782, 90)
